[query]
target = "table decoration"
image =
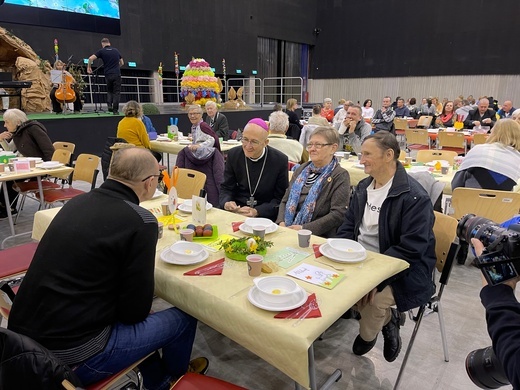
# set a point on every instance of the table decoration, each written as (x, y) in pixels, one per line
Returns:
(315, 275)
(239, 248)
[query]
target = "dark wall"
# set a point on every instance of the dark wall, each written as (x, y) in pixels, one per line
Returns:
(376, 38)
(151, 31)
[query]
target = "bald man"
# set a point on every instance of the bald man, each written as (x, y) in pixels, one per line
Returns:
(88, 292)
(481, 116)
(507, 110)
(255, 176)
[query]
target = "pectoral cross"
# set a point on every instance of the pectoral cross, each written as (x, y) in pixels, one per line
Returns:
(251, 202)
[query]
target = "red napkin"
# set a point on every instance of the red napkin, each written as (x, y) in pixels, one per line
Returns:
(236, 225)
(300, 311)
(214, 268)
(316, 249)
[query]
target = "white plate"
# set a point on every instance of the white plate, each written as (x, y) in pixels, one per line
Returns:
(184, 142)
(50, 164)
(326, 250)
(254, 296)
(169, 257)
(231, 142)
(187, 208)
(444, 163)
(244, 228)
(419, 169)
(157, 194)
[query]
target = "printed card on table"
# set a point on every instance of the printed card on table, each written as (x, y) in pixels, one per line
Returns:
(316, 275)
(287, 257)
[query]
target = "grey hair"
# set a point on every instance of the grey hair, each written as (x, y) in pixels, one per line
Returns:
(15, 116)
(210, 103)
(514, 115)
(327, 132)
(385, 140)
(132, 164)
(133, 109)
(278, 121)
(195, 107)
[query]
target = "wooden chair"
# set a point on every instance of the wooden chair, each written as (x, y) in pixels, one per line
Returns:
(417, 139)
(426, 156)
(65, 146)
(402, 155)
(446, 247)
(189, 182)
(425, 121)
(85, 169)
(495, 205)
(401, 124)
(451, 140)
(479, 138)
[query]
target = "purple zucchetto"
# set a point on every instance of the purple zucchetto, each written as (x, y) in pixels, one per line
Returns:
(259, 122)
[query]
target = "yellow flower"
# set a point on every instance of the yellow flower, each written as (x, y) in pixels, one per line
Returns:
(252, 245)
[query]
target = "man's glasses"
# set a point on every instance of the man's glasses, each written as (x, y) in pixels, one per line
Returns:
(317, 146)
(253, 142)
(194, 114)
(159, 177)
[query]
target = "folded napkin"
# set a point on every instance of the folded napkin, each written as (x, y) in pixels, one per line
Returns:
(302, 310)
(214, 268)
(316, 249)
(236, 225)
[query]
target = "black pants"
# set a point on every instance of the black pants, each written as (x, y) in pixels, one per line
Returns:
(56, 106)
(113, 91)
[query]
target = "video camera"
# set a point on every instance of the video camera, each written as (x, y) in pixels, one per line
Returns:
(499, 262)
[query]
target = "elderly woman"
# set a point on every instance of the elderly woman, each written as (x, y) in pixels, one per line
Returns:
(318, 193)
(29, 138)
(204, 139)
(132, 129)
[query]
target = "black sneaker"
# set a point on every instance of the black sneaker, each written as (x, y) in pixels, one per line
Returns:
(392, 345)
(116, 112)
(360, 346)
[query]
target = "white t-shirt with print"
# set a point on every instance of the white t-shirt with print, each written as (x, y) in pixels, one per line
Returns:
(369, 228)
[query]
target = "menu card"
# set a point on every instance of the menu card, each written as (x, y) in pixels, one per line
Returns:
(316, 275)
(198, 210)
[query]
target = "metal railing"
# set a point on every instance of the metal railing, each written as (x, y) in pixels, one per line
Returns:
(255, 91)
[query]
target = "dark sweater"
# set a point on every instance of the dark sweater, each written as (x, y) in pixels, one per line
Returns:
(93, 267)
(272, 186)
(31, 140)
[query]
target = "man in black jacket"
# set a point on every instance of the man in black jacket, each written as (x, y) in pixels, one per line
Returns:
(88, 292)
(481, 116)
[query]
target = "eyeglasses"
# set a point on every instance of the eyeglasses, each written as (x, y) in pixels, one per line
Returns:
(159, 177)
(194, 114)
(317, 146)
(253, 142)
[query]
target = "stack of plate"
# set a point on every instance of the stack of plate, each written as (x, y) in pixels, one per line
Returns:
(184, 253)
(250, 223)
(276, 293)
(186, 206)
(343, 250)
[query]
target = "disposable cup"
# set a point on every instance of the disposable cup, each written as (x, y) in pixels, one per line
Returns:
(254, 264)
(187, 234)
(259, 231)
(165, 208)
(304, 238)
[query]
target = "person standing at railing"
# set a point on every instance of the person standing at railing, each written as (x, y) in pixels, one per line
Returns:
(112, 61)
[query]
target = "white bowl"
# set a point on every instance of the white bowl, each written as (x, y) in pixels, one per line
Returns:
(346, 249)
(258, 222)
(276, 289)
(186, 249)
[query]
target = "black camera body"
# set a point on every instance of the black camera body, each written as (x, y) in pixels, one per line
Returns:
(500, 260)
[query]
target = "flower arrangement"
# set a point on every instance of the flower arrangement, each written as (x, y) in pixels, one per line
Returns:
(200, 80)
(239, 248)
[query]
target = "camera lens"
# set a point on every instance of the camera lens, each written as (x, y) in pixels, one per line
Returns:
(484, 369)
(483, 229)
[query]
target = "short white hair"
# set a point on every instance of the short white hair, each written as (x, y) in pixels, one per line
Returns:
(278, 121)
(210, 103)
(516, 113)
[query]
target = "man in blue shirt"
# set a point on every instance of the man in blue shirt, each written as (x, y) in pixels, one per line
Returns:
(401, 111)
(507, 110)
(112, 61)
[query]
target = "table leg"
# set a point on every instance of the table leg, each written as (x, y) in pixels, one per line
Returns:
(333, 378)
(7, 202)
(40, 189)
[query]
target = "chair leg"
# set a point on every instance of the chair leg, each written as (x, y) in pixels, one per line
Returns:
(418, 321)
(443, 331)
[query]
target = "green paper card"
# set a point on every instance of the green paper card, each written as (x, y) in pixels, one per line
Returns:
(287, 257)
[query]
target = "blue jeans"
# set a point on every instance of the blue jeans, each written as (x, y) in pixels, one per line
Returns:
(171, 330)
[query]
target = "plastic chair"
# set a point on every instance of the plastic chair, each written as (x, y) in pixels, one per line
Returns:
(400, 124)
(191, 381)
(480, 138)
(495, 205)
(69, 146)
(446, 247)
(425, 121)
(417, 139)
(85, 169)
(426, 156)
(450, 140)
(189, 182)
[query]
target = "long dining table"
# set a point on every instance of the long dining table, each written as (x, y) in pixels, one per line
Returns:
(222, 302)
(37, 173)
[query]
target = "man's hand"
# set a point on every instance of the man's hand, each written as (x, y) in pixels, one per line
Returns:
(194, 147)
(486, 121)
(476, 123)
(231, 206)
(479, 248)
(89, 70)
(6, 135)
(248, 211)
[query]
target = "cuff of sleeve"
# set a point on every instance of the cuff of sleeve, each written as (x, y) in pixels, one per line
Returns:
(490, 295)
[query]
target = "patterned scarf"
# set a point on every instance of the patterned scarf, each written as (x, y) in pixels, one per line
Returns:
(305, 213)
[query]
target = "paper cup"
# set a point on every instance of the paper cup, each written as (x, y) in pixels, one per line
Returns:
(259, 231)
(254, 264)
(165, 208)
(160, 226)
(445, 170)
(407, 161)
(187, 234)
(304, 238)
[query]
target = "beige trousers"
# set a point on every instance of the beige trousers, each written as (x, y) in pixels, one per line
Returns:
(375, 315)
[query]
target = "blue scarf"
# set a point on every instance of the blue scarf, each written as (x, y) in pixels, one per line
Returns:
(307, 209)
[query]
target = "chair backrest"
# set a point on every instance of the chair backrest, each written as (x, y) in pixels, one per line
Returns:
(400, 123)
(86, 168)
(189, 182)
(65, 146)
(62, 155)
(426, 156)
(445, 230)
(495, 205)
(402, 155)
(479, 138)
(425, 121)
(451, 139)
(417, 137)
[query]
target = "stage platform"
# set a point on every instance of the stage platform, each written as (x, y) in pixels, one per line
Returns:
(89, 130)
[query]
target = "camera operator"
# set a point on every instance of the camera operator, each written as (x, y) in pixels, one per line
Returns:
(503, 320)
